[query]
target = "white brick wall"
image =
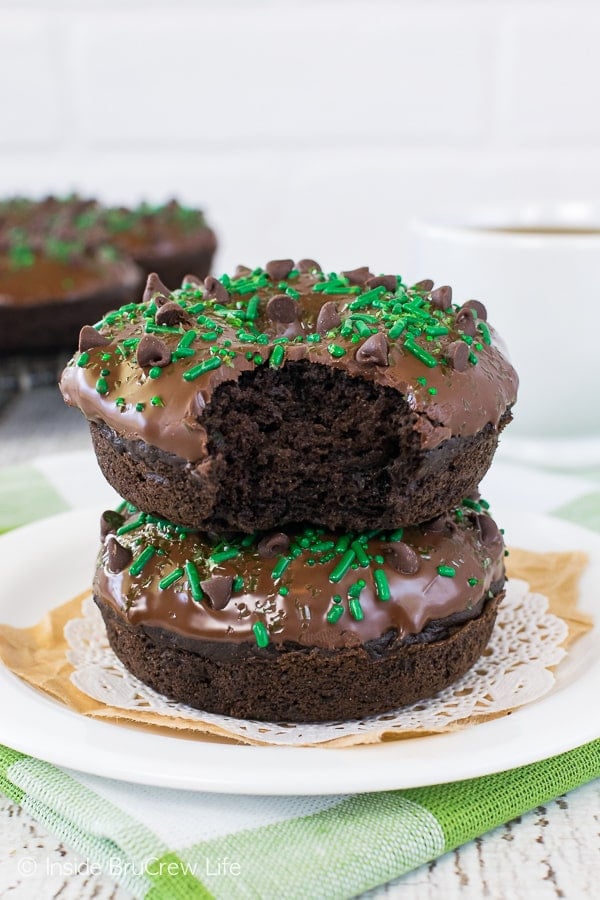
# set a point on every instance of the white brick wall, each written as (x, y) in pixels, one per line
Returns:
(304, 128)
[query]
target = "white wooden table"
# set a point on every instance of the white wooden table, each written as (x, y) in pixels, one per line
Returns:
(552, 852)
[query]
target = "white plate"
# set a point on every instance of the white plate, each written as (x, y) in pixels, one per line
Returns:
(49, 562)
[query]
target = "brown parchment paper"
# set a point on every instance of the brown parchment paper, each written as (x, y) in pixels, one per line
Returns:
(38, 655)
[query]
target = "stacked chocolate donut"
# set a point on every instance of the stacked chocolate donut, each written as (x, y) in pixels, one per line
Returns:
(299, 453)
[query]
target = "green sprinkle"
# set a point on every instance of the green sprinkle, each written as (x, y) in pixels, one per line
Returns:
(396, 535)
(188, 338)
(484, 503)
(277, 356)
(485, 332)
(446, 571)
(361, 556)
(155, 372)
(342, 567)
(120, 401)
(473, 581)
(224, 555)
(237, 584)
(367, 298)
(335, 613)
(144, 557)
(397, 329)
(202, 368)
(105, 371)
(473, 359)
(422, 381)
(209, 336)
(336, 351)
(467, 339)
(337, 598)
(343, 543)
(382, 585)
(283, 590)
(261, 634)
(194, 580)
(102, 385)
(362, 328)
(140, 407)
(252, 308)
(157, 401)
(280, 567)
(170, 579)
(421, 354)
(151, 328)
(131, 526)
(471, 504)
(356, 610)
(432, 391)
(257, 359)
(83, 359)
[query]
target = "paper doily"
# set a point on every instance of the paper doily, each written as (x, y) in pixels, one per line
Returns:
(513, 671)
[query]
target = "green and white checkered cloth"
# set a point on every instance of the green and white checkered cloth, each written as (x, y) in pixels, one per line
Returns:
(161, 843)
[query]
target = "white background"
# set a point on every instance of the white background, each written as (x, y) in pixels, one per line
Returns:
(304, 128)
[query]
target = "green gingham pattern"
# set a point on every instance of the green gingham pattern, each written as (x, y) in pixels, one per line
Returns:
(161, 843)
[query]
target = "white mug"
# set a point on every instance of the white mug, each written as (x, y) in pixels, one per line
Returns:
(538, 273)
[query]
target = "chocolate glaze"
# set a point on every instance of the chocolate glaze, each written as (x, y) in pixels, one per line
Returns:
(299, 617)
(450, 403)
(50, 280)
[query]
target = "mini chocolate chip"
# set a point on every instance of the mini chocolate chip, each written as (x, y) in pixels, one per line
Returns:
(273, 545)
(155, 290)
(215, 289)
(457, 354)
(171, 314)
(441, 298)
(480, 310)
(191, 279)
(490, 533)
(423, 286)
(437, 525)
(389, 282)
(151, 351)
(278, 269)
(328, 318)
(358, 276)
(282, 308)
(374, 350)
(109, 522)
(465, 320)
(217, 590)
(308, 265)
(118, 555)
(90, 338)
(402, 558)
(242, 272)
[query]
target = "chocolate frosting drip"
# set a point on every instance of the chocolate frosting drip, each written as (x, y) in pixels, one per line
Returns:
(325, 590)
(396, 338)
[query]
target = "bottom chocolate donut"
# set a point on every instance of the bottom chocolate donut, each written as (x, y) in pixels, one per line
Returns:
(301, 685)
(304, 624)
